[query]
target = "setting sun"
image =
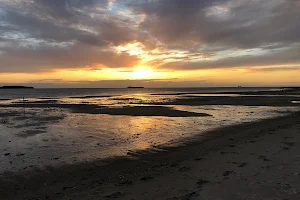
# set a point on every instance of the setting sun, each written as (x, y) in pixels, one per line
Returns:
(142, 73)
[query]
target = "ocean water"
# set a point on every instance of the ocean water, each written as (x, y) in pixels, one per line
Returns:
(112, 97)
(43, 136)
(81, 92)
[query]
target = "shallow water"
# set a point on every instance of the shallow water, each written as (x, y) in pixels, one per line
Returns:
(83, 92)
(54, 136)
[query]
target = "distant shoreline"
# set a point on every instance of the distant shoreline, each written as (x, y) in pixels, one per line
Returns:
(135, 87)
(16, 87)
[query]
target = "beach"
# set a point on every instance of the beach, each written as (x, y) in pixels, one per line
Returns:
(255, 161)
(208, 146)
(149, 100)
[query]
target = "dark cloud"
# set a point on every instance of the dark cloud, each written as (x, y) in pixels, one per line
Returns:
(25, 60)
(214, 26)
(46, 34)
(60, 21)
(172, 20)
(273, 69)
(159, 83)
(240, 24)
(282, 57)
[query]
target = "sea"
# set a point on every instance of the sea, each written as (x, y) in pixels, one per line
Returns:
(73, 92)
(34, 137)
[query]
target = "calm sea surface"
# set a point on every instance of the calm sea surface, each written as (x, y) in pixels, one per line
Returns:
(65, 92)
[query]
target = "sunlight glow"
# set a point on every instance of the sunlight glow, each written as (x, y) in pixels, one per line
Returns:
(135, 48)
(142, 73)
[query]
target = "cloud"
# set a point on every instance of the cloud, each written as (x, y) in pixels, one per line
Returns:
(273, 58)
(216, 26)
(235, 24)
(77, 56)
(42, 35)
(48, 34)
(272, 69)
(159, 83)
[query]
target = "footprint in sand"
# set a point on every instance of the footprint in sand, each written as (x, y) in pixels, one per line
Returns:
(289, 143)
(285, 148)
(184, 169)
(243, 165)
(115, 195)
(227, 173)
(264, 158)
(266, 167)
(188, 196)
(125, 182)
(146, 178)
(232, 152)
(202, 182)
(174, 165)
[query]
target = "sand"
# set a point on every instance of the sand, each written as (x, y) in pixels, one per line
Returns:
(232, 100)
(124, 111)
(248, 161)
(143, 111)
(284, 97)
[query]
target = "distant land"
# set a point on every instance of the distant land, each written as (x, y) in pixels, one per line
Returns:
(16, 87)
(135, 87)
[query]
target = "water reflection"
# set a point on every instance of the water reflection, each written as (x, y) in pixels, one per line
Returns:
(104, 100)
(83, 137)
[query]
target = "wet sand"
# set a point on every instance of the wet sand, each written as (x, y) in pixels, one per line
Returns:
(125, 110)
(235, 100)
(281, 97)
(278, 91)
(142, 111)
(248, 161)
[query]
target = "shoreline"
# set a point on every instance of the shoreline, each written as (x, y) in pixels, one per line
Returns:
(121, 175)
(244, 100)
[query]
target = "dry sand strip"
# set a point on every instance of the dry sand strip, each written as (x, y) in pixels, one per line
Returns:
(249, 161)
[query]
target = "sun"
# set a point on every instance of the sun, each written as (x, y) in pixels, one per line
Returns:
(142, 73)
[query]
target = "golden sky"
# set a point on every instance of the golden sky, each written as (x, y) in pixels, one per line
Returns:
(191, 43)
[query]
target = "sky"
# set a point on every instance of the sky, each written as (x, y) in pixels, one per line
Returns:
(153, 43)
